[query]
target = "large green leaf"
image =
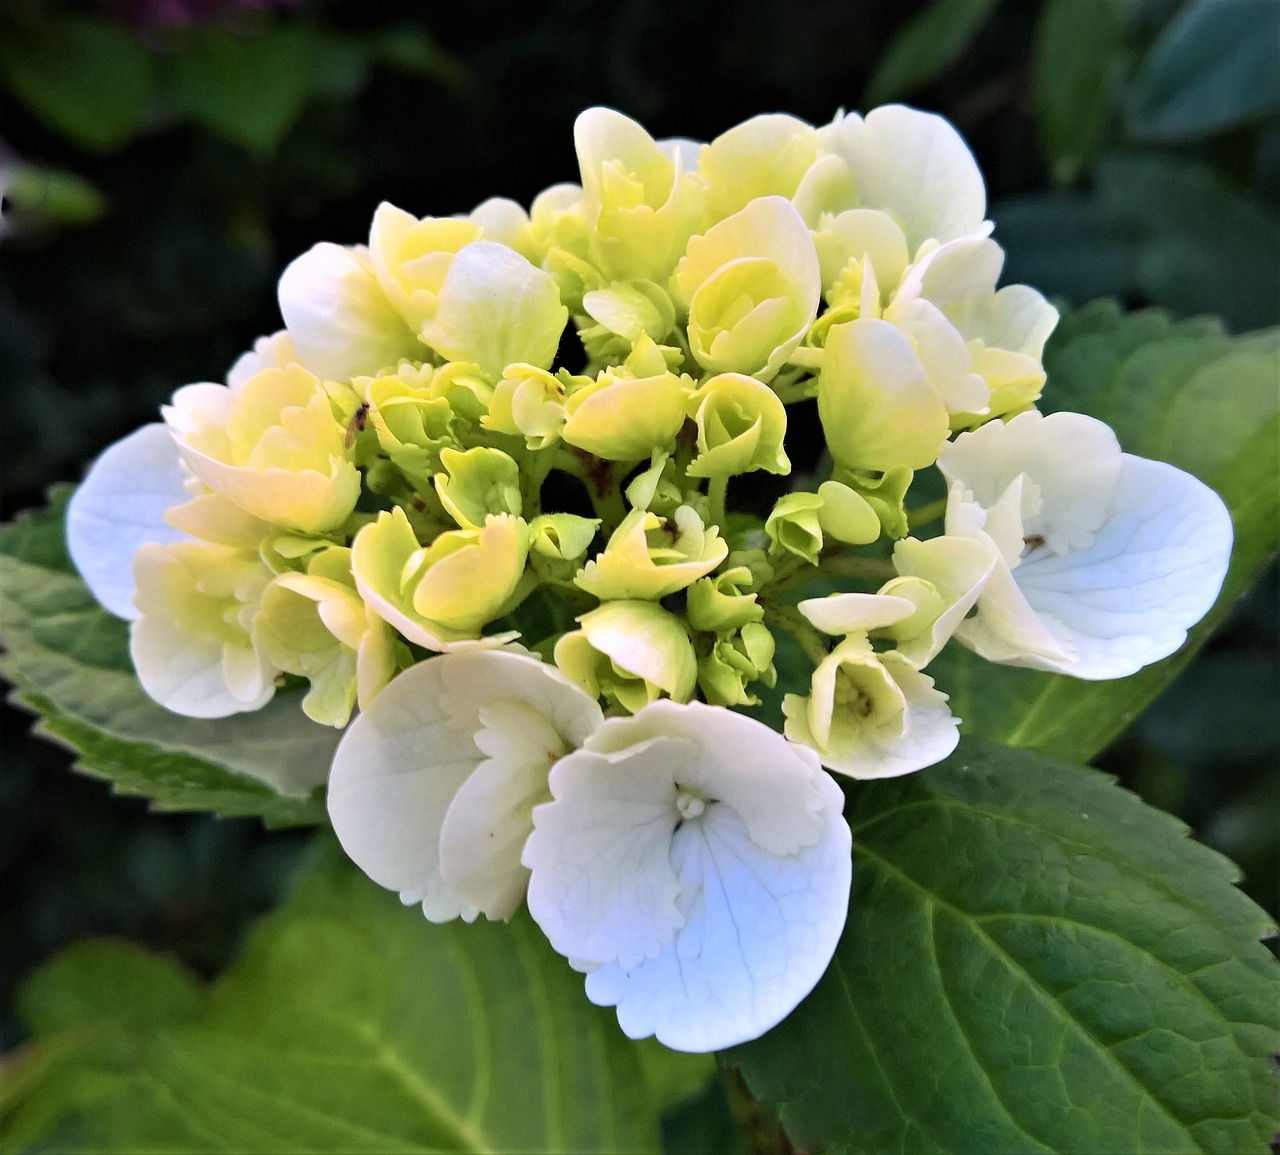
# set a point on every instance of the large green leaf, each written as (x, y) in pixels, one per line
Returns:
(69, 661)
(1213, 67)
(349, 1023)
(1035, 961)
(1183, 393)
(927, 46)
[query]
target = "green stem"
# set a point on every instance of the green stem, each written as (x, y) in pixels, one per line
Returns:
(716, 492)
(789, 392)
(926, 514)
(609, 504)
(847, 565)
(793, 622)
(534, 468)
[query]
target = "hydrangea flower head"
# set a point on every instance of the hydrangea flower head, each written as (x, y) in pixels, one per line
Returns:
(554, 426)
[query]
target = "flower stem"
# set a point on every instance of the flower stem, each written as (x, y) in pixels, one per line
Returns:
(716, 491)
(793, 622)
(926, 514)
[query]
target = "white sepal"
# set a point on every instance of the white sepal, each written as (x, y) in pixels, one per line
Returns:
(120, 506)
(1120, 555)
(432, 784)
(697, 866)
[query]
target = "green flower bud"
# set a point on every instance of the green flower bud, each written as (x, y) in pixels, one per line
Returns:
(558, 542)
(630, 652)
(625, 312)
(411, 421)
(752, 284)
(656, 489)
(741, 427)
(717, 604)
(794, 527)
(650, 557)
(734, 663)
(628, 412)
(315, 625)
(496, 309)
(878, 406)
(641, 203)
(445, 592)
(846, 515)
(886, 493)
(528, 402)
(563, 536)
(478, 483)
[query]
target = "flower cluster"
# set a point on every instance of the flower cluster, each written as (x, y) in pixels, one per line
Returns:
(477, 487)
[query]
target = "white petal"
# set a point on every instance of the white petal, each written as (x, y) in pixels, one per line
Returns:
(759, 931)
(1153, 571)
(698, 865)
(341, 322)
(403, 761)
(489, 818)
(188, 675)
(959, 569)
(602, 885)
(1073, 460)
(855, 613)
(931, 732)
(394, 774)
(915, 165)
(496, 309)
(120, 506)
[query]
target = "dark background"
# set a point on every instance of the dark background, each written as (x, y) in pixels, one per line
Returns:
(164, 159)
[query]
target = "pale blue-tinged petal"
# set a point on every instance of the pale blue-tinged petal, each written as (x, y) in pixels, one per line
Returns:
(697, 866)
(120, 506)
(1153, 570)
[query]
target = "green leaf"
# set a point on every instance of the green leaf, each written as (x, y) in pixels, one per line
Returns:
(351, 1023)
(927, 46)
(69, 662)
(1035, 961)
(1079, 58)
(1213, 68)
(50, 195)
(1156, 227)
(1183, 393)
(87, 79)
(247, 89)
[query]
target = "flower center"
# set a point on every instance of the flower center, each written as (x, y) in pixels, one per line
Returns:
(690, 804)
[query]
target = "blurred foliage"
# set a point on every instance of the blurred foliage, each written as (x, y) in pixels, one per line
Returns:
(161, 160)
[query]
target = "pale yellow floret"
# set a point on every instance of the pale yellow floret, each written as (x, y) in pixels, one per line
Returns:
(650, 557)
(274, 447)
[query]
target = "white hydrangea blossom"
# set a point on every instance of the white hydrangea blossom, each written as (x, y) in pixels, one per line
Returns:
(697, 867)
(1104, 560)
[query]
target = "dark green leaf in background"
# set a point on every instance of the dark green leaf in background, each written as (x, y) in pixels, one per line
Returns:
(68, 660)
(247, 89)
(86, 78)
(1035, 961)
(49, 196)
(1155, 227)
(349, 1023)
(1214, 66)
(1080, 57)
(926, 47)
(1183, 393)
